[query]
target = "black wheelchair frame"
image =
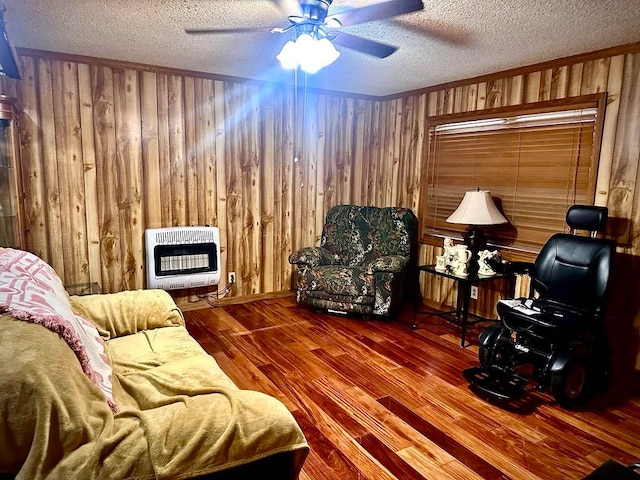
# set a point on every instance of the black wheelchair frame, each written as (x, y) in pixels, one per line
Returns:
(556, 338)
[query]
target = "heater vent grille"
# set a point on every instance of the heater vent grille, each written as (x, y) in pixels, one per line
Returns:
(182, 257)
(181, 236)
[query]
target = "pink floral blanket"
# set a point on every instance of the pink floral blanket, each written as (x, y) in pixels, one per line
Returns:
(30, 290)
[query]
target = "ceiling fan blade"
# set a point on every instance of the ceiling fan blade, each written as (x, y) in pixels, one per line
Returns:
(378, 11)
(204, 31)
(369, 47)
(289, 7)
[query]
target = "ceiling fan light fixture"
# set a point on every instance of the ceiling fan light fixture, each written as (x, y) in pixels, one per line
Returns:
(308, 52)
(288, 56)
(310, 20)
(305, 43)
(327, 51)
(318, 55)
(332, 22)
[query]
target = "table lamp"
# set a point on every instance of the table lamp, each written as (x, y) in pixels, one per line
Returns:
(476, 208)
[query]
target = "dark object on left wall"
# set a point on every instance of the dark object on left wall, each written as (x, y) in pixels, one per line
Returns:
(8, 60)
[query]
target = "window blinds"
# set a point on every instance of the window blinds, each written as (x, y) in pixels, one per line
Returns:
(535, 166)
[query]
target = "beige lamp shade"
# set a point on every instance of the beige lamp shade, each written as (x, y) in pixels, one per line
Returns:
(477, 208)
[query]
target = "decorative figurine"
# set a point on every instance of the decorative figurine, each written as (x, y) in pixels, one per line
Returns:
(484, 270)
(455, 258)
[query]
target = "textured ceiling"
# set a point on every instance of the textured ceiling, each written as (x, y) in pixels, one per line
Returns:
(450, 40)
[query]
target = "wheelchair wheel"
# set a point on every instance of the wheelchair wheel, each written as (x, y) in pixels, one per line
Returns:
(491, 353)
(486, 355)
(571, 385)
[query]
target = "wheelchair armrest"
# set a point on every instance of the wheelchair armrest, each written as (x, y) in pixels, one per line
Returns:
(503, 266)
(521, 313)
(550, 307)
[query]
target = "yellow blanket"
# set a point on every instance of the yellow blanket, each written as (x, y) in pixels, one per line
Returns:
(180, 415)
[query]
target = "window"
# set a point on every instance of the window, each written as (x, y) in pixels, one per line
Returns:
(536, 163)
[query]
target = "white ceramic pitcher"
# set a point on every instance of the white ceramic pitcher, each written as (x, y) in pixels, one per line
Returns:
(462, 253)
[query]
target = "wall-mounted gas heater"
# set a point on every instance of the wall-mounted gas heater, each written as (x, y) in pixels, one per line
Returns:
(182, 257)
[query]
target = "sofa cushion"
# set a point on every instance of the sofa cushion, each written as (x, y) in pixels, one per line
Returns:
(123, 313)
(192, 413)
(54, 421)
(180, 416)
(152, 365)
(32, 291)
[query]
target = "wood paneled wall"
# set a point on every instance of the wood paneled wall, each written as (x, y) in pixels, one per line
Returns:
(618, 76)
(110, 149)
(618, 183)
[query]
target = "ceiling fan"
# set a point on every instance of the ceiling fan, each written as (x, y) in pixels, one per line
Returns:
(312, 16)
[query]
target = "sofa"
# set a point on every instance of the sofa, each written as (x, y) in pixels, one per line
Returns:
(364, 264)
(151, 404)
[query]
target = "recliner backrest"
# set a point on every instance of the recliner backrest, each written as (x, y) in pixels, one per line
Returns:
(572, 269)
(360, 234)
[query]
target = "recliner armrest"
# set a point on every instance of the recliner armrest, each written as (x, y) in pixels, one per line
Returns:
(312, 257)
(387, 263)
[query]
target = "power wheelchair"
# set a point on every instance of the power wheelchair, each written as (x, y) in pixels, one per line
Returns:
(556, 337)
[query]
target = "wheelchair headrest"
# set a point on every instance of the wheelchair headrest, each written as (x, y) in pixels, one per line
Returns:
(587, 217)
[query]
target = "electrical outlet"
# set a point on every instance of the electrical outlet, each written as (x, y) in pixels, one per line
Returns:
(232, 277)
(474, 292)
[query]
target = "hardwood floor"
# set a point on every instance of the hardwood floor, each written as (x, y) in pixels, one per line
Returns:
(378, 400)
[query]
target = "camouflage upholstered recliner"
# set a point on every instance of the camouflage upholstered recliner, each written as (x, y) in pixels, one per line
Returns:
(362, 261)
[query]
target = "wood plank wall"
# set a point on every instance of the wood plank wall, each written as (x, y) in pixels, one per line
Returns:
(616, 72)
(110, 149)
